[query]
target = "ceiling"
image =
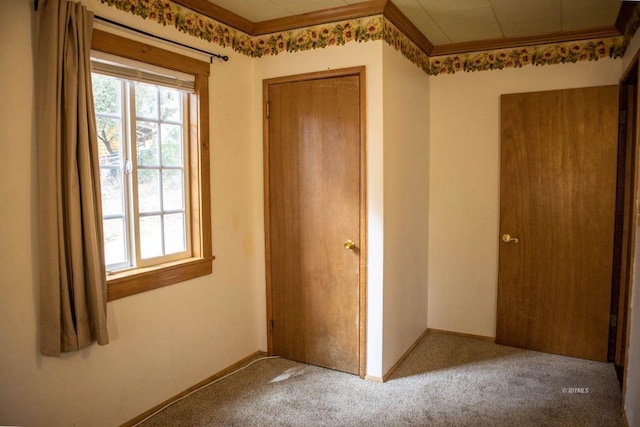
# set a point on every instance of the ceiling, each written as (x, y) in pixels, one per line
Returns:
(455, 21)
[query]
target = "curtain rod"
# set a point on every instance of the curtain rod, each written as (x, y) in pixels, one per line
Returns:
(225, 58)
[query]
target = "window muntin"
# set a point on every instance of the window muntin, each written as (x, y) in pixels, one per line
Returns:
(143, 131)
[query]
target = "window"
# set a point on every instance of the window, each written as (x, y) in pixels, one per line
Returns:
(142, 131)
(152, 117)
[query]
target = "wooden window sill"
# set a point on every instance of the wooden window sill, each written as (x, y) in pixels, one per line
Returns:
(138, 280)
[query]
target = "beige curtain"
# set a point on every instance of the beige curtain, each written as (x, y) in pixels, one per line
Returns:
(72, 273)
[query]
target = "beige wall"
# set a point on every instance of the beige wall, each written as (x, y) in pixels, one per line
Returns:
(406, 203)
(350, 55)
(163, 341)
(464, 184)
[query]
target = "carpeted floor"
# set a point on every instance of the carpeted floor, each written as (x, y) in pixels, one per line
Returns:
(446, 381)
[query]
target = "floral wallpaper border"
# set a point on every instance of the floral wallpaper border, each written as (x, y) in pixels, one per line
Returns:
(166, 12)
(396, 39)
(549, 54)
(334, 34)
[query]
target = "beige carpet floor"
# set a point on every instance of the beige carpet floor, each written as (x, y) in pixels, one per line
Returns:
(446, 381)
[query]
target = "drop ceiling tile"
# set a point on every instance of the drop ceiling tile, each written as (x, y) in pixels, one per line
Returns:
(581, 14)
(421, 19)
(528, 17)
(451, 5)
(253, 10)
(463, 25)
(297, 7)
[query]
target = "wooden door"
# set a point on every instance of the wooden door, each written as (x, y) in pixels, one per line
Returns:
(557, 198)
(314, 196)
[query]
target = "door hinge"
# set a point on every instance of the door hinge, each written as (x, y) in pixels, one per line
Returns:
(623, 116)
(613, 321)
(271, 327)
(268, 108)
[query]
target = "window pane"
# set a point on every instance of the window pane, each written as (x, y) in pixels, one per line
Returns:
(172, 190)
(114, 241)
(109, 141)
(170, 105)
(150, 237)
(171, 145)
(146, 101)
(174, 233)
(107, 94)
(111, 188)
(148, 190)
(147, 144)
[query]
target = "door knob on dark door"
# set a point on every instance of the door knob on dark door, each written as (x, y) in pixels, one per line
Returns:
(508, 239)
(349, 244)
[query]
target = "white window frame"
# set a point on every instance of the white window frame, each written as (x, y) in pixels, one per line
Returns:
(136, 214)
(130, 169)
(127, 263)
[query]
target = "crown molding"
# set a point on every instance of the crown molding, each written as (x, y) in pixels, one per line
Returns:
(400, 20)
(624, 16)
(220, 14)
(342, 13)
(392, 13)
(324, 16)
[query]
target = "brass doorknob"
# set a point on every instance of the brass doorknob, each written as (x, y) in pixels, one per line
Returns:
(349, 244)
(508, 239)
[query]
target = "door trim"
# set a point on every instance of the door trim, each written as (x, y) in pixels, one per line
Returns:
(362, 308)
(629, 133)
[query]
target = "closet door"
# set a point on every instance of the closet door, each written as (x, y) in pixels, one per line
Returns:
(314, 214)
(557, 206)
